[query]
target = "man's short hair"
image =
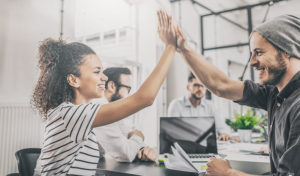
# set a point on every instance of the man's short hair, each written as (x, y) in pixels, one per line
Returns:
(191, 77)
(114, 73)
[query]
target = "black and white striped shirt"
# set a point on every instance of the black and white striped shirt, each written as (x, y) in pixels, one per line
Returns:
(69, 145)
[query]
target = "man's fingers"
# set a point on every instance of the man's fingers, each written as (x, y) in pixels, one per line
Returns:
(180, 32)
(144, 154)
(212, 159)
(149, 154)
(146, 151)
(140, 154)
(176, 30)
(153, 155)
(144, 157)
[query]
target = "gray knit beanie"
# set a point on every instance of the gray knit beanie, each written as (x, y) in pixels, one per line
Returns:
(283, 32)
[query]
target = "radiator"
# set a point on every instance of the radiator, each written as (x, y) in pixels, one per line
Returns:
(20, 127)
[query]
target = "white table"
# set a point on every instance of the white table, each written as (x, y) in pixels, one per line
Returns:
(240, 158)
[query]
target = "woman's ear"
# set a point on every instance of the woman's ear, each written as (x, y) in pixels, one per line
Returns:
(73, 81)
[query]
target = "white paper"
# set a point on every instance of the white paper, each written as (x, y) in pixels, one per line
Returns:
(177, 162)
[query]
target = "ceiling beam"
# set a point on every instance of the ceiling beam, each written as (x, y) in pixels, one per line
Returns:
(221, 16)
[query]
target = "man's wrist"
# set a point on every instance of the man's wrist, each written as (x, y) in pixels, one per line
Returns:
(231, 172)
(186, 49)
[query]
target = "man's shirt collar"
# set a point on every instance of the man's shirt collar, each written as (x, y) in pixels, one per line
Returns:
(292, 86)
(187, 102)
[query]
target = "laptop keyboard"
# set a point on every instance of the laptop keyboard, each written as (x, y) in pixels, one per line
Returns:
(202, 156)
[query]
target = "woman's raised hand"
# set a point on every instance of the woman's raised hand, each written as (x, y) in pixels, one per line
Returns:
(166, 28)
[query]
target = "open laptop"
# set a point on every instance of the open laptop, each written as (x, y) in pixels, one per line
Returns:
(193, 137)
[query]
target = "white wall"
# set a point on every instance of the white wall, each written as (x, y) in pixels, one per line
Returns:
(23, 24)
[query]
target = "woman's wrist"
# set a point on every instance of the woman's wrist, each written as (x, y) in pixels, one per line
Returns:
(171, 46)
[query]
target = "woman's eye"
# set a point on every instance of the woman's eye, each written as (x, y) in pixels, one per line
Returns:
(97, 72)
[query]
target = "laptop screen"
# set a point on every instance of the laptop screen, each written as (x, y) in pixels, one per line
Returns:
(193, 134)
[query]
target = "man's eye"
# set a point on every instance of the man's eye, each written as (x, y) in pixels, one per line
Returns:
(259, 53)
(97, 72)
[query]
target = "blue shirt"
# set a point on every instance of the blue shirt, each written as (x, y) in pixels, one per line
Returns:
(182, 107)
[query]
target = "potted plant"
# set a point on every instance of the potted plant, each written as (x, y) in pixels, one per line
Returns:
(244, 124)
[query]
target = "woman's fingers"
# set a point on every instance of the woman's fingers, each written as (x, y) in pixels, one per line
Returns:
(165, 20)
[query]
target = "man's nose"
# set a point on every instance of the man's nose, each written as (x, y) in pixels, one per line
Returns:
(253, 61)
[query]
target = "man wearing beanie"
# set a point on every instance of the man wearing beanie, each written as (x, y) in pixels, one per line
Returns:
(275, 54)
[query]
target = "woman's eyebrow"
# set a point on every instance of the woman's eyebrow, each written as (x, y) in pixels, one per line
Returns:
(98, 68)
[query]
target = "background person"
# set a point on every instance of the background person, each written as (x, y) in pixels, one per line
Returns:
(118, 139)
(195, 105)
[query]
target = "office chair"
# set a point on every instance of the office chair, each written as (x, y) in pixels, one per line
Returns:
(26, 159)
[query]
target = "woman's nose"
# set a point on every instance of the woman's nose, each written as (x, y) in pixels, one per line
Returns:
(103, 77)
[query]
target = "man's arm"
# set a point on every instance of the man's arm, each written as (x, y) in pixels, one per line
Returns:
(221, 167)
(145, 153)
(136, 132)
(214, 79)
(117, 145)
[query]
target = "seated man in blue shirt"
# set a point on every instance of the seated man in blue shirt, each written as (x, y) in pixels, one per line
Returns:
(195, 105)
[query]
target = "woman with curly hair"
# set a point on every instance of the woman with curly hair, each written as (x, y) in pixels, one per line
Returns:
(70, 77)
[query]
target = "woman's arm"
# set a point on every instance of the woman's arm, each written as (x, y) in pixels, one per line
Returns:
(146, 94)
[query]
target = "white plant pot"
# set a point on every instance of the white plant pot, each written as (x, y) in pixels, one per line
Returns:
(245, 135)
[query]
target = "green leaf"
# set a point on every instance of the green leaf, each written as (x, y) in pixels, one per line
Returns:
(247, 121)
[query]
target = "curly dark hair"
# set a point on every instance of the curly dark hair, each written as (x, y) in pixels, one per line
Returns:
(57, 60)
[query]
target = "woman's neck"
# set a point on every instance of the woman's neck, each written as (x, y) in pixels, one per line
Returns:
(80, 99)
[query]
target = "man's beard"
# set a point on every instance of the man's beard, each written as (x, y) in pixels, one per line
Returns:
(277, 72)
(195, 97)
(116, 96)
